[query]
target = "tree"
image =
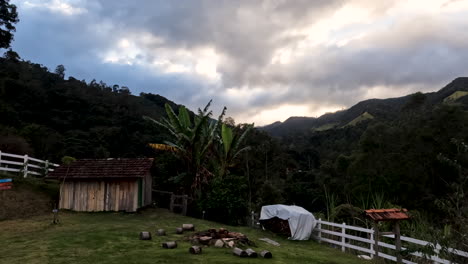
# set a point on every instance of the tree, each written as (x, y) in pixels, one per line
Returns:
(230, 147)
(124, 90)
(60, 71)
(8, 17)
(190, 142)
(11, 55)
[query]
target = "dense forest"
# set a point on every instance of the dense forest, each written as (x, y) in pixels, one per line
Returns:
(49, 117)
(406, 152)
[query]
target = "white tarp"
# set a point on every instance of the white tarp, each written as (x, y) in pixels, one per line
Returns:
(301, 221)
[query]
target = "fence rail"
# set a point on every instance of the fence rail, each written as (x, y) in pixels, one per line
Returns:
(363, 241)
(25, 164)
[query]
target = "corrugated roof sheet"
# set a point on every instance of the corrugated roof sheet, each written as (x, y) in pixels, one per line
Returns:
(387, 214)
(103, 168)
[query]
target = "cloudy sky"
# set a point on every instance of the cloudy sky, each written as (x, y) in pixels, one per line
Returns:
(265, 60)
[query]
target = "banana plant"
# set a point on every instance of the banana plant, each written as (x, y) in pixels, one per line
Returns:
(191, 142)
(231, 148)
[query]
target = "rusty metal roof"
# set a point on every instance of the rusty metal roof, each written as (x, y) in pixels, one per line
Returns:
(104, 168)
(387, 214)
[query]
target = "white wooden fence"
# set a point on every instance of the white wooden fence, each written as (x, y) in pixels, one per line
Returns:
(25, 164)
(362, 240)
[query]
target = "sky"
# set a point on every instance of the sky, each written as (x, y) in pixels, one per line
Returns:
(265, 60)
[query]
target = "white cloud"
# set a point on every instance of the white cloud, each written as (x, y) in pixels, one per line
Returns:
(265, 60)
(63, 7)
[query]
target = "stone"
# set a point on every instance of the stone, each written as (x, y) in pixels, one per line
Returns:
(219, 243)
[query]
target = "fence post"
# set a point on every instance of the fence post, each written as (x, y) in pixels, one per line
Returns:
(436, 251)
(252, 215)
(171, 205)
(25, 169)
(397, 242)
(372, 243)
(343, 239)
(376, 239)
(319, 225)
(184, 204)
(46, 168)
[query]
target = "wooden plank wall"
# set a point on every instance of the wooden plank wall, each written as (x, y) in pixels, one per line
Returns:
(93, 196)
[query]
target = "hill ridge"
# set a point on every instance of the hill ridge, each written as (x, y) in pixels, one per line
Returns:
(386, 108)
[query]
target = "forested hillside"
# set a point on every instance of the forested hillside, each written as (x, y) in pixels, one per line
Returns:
(410, 152)
(48, 117)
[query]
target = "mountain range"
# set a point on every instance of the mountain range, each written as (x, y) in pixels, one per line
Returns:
(386, 109)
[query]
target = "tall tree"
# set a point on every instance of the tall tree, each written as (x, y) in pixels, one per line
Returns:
(60, 71)
(8, 17)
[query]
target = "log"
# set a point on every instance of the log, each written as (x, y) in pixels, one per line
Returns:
(145, 235)
(195, 241)
(251, 253)
(188, 227)
(179, 230)
(161, 232)
(204, 240)
(169, 245)
(195, 250)
(239, 252)
(266, 254)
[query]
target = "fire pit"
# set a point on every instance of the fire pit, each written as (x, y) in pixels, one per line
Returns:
(220, 238)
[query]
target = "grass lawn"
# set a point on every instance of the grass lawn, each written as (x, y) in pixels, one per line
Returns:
(113, 238)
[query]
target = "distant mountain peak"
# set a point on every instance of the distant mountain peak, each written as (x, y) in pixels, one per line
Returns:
(386, 109)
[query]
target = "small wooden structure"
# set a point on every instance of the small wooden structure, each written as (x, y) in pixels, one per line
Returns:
(179, 201)
(105, 184)
(394, 215)
(176, 201)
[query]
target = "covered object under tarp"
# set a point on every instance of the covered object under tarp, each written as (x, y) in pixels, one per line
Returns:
(301, 222)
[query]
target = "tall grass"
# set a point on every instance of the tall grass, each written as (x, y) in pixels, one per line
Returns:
(331, 203)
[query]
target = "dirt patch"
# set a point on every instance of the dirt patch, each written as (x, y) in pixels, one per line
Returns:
(27, 198)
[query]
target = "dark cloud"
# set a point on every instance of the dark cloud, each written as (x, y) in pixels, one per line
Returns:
(157, 46)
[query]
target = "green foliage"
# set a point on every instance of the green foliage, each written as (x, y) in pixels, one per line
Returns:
(47, 117)
(11, 55)
(8, 17)
(60, 71)
(331, 203)
(269, 193)
(67, 160)
(224, 200)
(230, 147)
(191, 142)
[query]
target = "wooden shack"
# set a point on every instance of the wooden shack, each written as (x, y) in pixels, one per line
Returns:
(92, 185)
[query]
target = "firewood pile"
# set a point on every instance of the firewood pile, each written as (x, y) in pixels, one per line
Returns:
(220, 238)
(277, 225)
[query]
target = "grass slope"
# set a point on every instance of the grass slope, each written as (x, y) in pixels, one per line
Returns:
(455, 96)
(113, 238)
(28, 197)
(363, 117)
(326, 127)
